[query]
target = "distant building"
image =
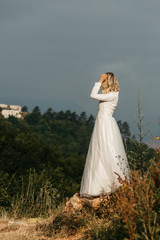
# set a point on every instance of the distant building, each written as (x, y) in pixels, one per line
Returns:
(11, 110)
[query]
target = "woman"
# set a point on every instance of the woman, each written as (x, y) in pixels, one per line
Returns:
(106, 155)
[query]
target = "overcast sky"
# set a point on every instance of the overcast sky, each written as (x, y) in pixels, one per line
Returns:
(53, 51)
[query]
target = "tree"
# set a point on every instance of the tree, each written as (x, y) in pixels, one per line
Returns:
(141, 152)
(74, 117)
(49, 114)
(36, 110)
(82, 118)
(34, 117)
(13, 120)
(60, 115)
(68, 115)
(24, 109)
(90, 121)
(124, 128)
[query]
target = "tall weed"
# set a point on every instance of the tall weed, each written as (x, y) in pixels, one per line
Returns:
(37, 197)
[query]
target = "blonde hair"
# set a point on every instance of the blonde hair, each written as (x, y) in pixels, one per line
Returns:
(110, 84)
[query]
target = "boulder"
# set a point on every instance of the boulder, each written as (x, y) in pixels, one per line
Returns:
(76, 203)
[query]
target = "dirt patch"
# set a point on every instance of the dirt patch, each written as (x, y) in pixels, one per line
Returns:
(26, 229)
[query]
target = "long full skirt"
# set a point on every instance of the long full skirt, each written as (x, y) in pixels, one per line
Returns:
(106, 156)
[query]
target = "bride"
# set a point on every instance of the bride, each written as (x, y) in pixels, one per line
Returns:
(106, 155)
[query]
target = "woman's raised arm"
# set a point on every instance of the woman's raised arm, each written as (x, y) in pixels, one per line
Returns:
(102, 97)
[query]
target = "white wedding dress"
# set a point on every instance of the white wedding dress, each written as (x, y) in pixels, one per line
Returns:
(106, 153)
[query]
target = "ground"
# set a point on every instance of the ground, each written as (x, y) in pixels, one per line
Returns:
(68, 223)
(27, 229)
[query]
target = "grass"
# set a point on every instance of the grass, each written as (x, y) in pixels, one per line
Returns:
(25, 228)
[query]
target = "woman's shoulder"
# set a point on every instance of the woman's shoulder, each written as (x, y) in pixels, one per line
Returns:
(113, 93)
(110, 96)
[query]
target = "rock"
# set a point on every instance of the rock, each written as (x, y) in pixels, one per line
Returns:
(76, 203)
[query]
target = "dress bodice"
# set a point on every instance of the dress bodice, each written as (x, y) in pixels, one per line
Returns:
(107, 102)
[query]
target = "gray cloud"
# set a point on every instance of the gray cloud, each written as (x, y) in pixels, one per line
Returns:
(53, 51)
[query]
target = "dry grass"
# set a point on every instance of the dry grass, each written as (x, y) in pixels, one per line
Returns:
(31, 229)
(24, 229)
(39, 228)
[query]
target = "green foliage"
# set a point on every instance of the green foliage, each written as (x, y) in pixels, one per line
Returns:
(5, 183)
(124, 128)
(139, 153)
(54, 145)
(107, 231)
(24, 109)
(37, 196)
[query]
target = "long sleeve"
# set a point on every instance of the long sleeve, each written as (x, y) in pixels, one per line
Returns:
(101, 97)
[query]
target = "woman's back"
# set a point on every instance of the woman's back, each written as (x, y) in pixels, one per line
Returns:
(110, 105)
(107, 101)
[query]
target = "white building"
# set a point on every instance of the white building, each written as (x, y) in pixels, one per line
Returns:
(11, 110)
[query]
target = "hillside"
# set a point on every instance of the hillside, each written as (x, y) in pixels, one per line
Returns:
(41, 163)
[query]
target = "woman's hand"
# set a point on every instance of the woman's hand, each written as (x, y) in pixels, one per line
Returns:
(102, 77)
